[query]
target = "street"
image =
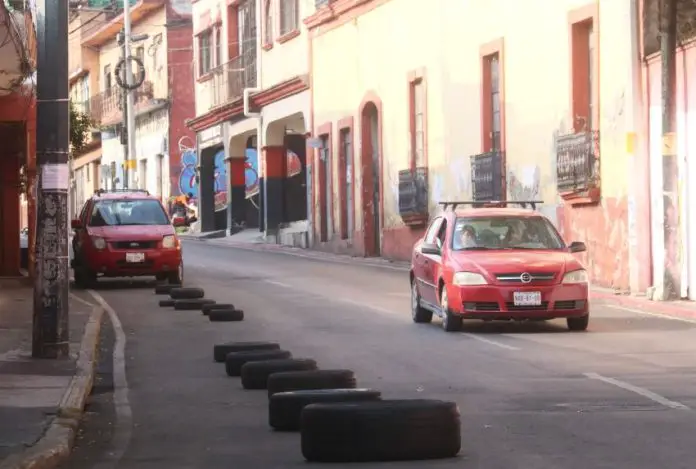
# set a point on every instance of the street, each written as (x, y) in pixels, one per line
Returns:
(531, 396)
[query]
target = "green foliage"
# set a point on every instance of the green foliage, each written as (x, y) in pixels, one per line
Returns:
(80, 125)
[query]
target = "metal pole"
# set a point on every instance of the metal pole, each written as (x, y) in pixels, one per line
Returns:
(130, 101)
(124, 126)
(50, 337)
(671, 288)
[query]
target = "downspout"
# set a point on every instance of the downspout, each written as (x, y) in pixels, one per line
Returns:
(246, 97)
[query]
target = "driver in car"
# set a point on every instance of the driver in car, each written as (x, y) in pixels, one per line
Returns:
(467, 237)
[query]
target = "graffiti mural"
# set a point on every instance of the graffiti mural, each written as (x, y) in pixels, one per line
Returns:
(251, 173)
(187, 176)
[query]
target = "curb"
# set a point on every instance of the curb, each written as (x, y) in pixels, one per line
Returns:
(666, 309)
(56, 444)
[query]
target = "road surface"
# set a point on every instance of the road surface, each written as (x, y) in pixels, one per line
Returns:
(533, 396)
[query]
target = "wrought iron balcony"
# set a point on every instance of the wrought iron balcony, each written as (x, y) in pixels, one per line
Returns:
(487, 176)
(577, 161)
(230, 79)
(413, 196)
(105, 108)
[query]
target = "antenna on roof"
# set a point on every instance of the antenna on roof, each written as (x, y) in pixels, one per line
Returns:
(453, 204)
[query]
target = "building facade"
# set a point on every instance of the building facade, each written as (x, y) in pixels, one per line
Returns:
(252, 114)
(161, 41)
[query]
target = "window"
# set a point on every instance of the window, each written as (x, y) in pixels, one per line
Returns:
(433, 230)
(128, 212)
(584, 78)
(107, 79)
(492, 233)
(88, 171)
(441, 234)
(346, 182)
(204, 53)
(140, 54)
(417, 108)
(325, 188)
(218, 46)
(492, 62)
(143, 174)
(289, 17)
(268, 24)
(154, 51)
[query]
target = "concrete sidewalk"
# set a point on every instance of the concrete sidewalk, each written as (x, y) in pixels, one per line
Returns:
(251, 240)
(41, 401)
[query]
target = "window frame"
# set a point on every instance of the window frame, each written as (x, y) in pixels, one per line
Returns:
(203, 52)
(293, 10)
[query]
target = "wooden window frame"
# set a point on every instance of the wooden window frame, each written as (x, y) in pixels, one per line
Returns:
(579, 20)
(345, 124)
(207, 33)
(415, 78)
(294, 31)
(325, 194)
(486, 52)
(268, 23)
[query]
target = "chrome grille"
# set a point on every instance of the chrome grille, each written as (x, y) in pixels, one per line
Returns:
(542, 307)
(134, 244)
(525, 277)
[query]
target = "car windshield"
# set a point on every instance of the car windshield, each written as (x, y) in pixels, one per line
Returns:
(128, 212)
(491, 233)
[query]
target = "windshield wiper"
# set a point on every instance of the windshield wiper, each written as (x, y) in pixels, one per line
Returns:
(477, 248)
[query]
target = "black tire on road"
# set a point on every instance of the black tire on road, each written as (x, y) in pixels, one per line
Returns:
(285, 408)
(167, 303)
(208, 308)
(220, 351)
(165, 289)
(189, 305)
(578, 324)
(186, 293)
(226, 315)
(397, 430)
(235, 360)
(313, 379)
(255, 374)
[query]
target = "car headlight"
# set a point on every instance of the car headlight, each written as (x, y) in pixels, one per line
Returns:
(576, 276)
(99, 243)
(169, 242)
(468, 279)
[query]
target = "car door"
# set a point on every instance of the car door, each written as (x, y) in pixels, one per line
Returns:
(426, 287)
(80, 234)
(433, 266)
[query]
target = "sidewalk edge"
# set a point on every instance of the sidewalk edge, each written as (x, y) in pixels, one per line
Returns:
(56, 444)
(667, 309)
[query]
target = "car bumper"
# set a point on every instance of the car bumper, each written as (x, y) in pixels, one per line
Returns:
(493, 302)
(114, 264)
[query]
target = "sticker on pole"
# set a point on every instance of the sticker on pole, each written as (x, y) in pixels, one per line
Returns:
(55, 177)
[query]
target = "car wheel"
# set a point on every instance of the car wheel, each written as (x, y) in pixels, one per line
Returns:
(418, 313)
(177, 278)
(578, 324)
(84, 279)
(450, 322)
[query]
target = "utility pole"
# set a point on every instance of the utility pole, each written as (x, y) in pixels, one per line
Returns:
(129, 111)
(50, 335)
(124, 109)
(671, 281)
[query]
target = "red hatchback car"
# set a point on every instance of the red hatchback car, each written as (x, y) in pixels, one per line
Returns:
(497, 263)
(125, 233)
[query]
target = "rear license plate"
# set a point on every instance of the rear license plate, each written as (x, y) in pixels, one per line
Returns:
(527, 298)
(135, 257)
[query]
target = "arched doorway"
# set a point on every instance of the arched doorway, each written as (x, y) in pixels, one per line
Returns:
(371, 159)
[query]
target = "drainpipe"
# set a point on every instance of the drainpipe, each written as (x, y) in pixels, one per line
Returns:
(246, 97)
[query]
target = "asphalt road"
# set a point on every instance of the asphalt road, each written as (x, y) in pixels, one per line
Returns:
(532, 396)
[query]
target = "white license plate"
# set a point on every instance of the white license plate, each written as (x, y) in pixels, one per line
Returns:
(135, 257)
(526, 298)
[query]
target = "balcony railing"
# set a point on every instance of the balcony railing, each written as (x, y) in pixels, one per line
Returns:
(230, 79)
(577, 161)
(106, 107)
(487, 176)
(413, 196)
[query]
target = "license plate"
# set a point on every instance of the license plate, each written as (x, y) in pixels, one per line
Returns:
(526, 298)
(135, 257)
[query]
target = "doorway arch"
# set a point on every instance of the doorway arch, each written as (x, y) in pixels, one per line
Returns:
(371, 171)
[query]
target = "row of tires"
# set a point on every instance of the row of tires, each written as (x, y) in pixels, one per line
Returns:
(337, 420)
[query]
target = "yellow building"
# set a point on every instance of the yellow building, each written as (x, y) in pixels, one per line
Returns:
(462, 100)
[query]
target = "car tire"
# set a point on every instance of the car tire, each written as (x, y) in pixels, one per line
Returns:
(314, 379)
(165, 289)
(205, 309)
(419, 314)
(176, 278)
(190, 305)
(226, 315)
(285, 408)
(167, 303)
(84, 279)
(578, 324)
(234, 361)
(397, 430)
(220, 351)
(450, 322)
(255, 374)
(183, 293)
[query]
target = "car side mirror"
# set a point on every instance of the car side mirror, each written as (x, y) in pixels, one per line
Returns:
(76, 224)
(577, 246)
(430, 248)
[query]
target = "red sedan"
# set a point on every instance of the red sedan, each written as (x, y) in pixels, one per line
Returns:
(497, 263)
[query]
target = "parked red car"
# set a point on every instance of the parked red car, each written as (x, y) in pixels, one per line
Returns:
(497, 263)
(125, 233)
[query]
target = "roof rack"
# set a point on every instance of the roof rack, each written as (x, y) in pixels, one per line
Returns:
(112, 191)
(453, 204)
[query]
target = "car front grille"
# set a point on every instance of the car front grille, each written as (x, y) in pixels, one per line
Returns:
(572, 304)
(542, 307)
(135, 265)
(481, 306)
(134, 244)
(534, 277)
